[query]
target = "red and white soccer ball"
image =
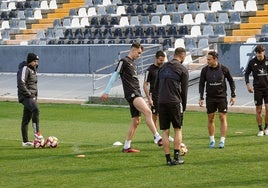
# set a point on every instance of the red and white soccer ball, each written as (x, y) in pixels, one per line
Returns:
(183, 150)
(52, 142)
(39, 143)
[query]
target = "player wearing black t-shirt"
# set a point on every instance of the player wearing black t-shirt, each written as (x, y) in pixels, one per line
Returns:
(127, 69)
(213, 78)
(258, 66)
(149, 82)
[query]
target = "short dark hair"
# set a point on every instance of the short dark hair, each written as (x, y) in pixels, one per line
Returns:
(137, 45)
(160, 53)
(259, 48)
(214, 54)
(179, 51)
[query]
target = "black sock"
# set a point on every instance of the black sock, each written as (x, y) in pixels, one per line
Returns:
(260, 127)
(176, 154)
(168, 158)
(266, 126)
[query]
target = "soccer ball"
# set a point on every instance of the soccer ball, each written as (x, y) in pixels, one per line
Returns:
(39, 143)
(183, 150)
(51, 142)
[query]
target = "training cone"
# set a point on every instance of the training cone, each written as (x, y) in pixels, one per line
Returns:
(117, 143)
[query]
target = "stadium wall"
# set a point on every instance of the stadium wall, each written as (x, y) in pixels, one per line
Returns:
(237, 56)
(67, 59)
(86, 59)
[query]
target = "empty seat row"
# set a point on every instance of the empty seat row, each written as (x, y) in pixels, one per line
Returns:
(103, 41)
(167, 8)
(13, 24)
(194, 45)
(109, 2)
(166, 43)
(117, 32)
(102, 2)
(21, 5)
(208, 30)
(186, 19)
(20, 14)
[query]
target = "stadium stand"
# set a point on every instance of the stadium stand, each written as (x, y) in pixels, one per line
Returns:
(243, 19)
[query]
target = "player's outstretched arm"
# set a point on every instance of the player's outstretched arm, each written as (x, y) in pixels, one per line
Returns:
(112, 80)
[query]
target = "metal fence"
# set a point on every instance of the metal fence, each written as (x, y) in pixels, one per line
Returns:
(100, 80)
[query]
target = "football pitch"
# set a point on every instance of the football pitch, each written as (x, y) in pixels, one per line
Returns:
(91, 131)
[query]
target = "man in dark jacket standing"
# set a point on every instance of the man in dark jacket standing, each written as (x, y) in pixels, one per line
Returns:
(27, 95)
(172, 88)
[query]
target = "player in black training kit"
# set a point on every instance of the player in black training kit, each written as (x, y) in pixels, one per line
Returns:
(172, 88)
(149, 81)
(258, 66)
(127, 69)
(214, 76)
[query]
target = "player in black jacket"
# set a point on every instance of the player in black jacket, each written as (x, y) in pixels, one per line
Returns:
(172, 87)
(27, 95)
(213, 78)
(258, 66)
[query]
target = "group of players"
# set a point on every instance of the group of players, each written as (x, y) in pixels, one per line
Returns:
(166, 88)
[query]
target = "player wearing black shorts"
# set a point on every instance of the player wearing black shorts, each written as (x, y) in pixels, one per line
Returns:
(172, 87)
(213, 78)
(258, 66)
(149, 82)
(127, 69)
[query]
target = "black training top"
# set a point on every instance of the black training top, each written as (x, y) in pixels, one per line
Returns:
(150, 76)
(215, 81)
(259, 70)
(129, 76)
(172, 83)
(26, 81)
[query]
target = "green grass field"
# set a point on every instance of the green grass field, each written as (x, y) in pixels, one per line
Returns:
(93, 130)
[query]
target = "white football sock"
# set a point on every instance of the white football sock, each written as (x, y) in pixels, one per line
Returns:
(211, 138)
(157, 135)
(127, 144)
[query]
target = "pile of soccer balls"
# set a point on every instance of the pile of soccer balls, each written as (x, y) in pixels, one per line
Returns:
(50, 142)
(183, 150)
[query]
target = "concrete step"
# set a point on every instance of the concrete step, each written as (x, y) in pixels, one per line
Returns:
(41, 26)
(46, 21)
(234, 39)
(30, 31)
(13, 42)
(246, 32)
(258, 19)
(58, 15)
(73, 5)
(251, 25)
(262, 13)
(25, 37)
(62, 10)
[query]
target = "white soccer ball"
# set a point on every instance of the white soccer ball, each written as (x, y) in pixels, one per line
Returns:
(39, 143)
(52, 142)
(183, 150)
